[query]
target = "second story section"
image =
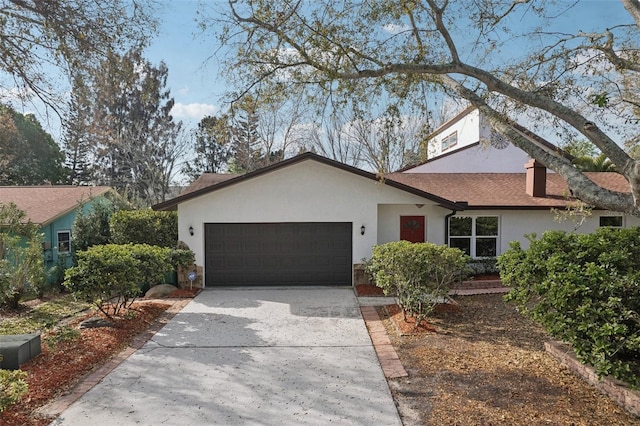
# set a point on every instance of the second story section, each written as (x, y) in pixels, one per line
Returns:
(468, 144)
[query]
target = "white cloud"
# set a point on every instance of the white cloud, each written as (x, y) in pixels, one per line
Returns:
(395, 29)
(192, 111)
(184, 90)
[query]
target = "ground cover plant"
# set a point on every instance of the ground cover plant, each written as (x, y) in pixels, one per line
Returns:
(36, 315)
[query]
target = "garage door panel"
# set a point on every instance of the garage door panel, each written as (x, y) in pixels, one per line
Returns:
(278, 254)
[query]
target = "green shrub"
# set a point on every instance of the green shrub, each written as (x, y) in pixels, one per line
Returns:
(120, 271)
(21, 260)
(418, 274)
(585, 290)
(182, 257)
(154, 262)
(106, 272)
(13, 386)
(91, 227)
(483, 266)
(145, 227)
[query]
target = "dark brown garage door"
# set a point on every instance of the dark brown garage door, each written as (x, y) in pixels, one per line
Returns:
(270, 254)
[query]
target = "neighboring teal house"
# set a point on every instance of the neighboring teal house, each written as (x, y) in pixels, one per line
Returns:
(53, 208)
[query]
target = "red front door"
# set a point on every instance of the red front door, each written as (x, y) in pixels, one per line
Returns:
(412, 228)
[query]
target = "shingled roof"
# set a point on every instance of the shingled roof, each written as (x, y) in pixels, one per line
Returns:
(502, 190)
(45, 204)
(213, 182)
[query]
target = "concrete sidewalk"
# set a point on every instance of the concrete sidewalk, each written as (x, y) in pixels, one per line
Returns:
(249, 357)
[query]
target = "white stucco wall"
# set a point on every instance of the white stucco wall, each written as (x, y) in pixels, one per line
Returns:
(477, 159)
(515, 224)
(308, 191)
(467, 128)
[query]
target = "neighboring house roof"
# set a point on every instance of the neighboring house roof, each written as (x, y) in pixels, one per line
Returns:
(45, 204)
(206, 180)
(235, 179)
(502, 190)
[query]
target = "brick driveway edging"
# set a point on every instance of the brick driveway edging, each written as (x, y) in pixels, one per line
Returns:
(387, 356)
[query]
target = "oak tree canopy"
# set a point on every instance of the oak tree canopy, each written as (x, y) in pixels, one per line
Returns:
(525, 61)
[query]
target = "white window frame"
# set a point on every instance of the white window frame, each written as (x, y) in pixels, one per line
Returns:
(449, 141)
(473, 237)
(68, 241)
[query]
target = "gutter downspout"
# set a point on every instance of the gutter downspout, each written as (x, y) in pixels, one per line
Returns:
(446, 226)
(462, 204)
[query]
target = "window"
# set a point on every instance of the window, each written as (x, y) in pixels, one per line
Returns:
(449, 141)
(612, 221)
(476, 236)
(64, 241)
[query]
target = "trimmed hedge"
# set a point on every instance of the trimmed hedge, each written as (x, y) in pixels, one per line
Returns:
(418, 274)
(144, 227)
(585, 290)
(120, 271)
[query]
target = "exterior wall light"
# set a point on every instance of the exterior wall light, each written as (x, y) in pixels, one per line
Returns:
(362, 229)
(191, 231)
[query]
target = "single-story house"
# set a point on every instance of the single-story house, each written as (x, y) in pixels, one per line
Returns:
(309, 220)
(53, 208)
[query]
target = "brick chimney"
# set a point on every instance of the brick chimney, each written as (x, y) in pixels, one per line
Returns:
(536, 179)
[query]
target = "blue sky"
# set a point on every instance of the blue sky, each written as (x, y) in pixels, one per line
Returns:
(194, 81)
(196, 85)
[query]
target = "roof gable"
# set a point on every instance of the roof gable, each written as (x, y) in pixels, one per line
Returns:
(218, 184)
(467, 145)
(45, 204)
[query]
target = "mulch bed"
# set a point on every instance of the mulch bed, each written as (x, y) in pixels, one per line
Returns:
(57, 369)
(408, 327)
(486, 365)
(368, 290)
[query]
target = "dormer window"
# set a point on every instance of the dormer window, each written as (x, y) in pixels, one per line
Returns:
(449, 141)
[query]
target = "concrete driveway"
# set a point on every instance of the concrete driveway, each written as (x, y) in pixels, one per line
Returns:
(284, 356)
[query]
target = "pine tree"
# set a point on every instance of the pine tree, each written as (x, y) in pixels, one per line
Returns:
(124, 110)
(245, 139)
(212, 147)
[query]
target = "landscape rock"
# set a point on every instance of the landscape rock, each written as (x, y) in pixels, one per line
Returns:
(94, 323)
(159, 291)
